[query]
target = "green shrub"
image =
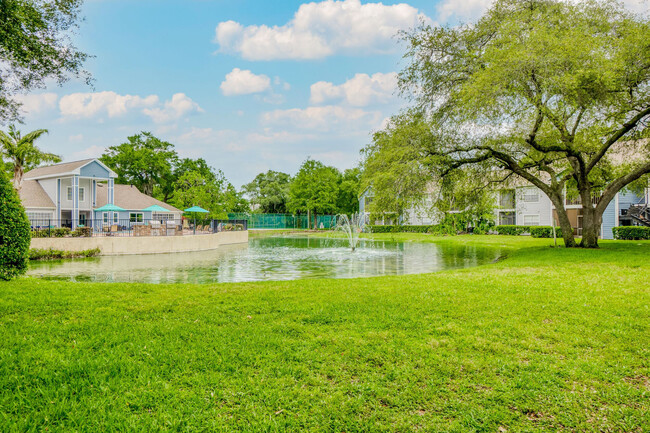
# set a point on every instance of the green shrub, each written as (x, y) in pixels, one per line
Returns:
(432, 229)
(55, 232)
(51, 254)
(545, 232)
(81, 232)
(629, 233)
(512, 230)
(14, 232)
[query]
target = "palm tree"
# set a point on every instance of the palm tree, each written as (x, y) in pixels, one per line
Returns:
(22, 153)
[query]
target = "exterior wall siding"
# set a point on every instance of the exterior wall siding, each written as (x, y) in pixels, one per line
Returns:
(94, 169)
(609, 219)
(540, 210)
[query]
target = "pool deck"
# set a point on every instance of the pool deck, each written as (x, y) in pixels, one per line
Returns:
(143, 244)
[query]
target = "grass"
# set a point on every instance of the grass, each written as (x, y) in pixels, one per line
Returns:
(545, 340)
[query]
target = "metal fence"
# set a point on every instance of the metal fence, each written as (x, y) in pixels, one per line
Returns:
(285, 221)
(117, 227)
(229, 225)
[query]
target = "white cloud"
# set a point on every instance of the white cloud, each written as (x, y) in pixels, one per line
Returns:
(76, 138)
(319, 30)
(174, 109)
(37, 103)
(93, 151)
(86, 105)
(360, 91)
(244, 82)
(327, 118)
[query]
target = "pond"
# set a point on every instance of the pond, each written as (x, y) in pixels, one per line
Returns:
(268, 259)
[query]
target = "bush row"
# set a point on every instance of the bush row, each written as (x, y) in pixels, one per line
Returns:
(436, 228)
(512, 230)
(545, 232)
(630, 233)
(50, 254)
(62, 232)
(55, 232)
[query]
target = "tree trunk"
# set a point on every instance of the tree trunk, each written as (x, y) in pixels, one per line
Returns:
(565, 224)
(591, 222)
(18, 176)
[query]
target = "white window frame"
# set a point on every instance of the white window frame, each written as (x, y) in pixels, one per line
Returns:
(116, 217)
(105, 217)
(530, 191)
(163, 216)
(136, 220)
(531, 215)
(82, 194)
(69, 193)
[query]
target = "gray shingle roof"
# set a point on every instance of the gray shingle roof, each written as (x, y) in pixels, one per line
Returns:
(129, 198)
(62, 168)
(33, 195)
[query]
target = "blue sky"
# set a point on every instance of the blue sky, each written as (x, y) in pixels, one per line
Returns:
(249, 85)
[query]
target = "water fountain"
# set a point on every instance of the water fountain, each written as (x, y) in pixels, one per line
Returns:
(352, 227)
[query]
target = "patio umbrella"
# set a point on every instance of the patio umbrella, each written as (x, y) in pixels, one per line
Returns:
(109, 208)
(195, 210)
(155, 208)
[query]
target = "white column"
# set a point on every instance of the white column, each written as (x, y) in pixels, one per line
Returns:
(111, 194)
(75, 201)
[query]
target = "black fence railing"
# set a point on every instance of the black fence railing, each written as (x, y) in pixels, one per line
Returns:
(229, 225)
(131, 227)
(117, 227)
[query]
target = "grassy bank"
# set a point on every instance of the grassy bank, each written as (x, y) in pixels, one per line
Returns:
(546, 340)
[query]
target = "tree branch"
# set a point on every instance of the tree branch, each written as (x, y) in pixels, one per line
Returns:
(616, 136)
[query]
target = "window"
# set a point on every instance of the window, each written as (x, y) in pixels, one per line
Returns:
(507, 199)
(116, 217)
(82, 194)
(162, 217)
(507, 218)
(531, 220)
(531, 195)
(136, 217)
(105, 217)
(39, 219)
(69, 193)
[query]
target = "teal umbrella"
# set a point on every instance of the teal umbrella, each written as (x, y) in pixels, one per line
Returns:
(195, 210)
(109, 208)
(155, 208)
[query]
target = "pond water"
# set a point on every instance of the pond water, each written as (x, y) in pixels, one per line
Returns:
(271, 258)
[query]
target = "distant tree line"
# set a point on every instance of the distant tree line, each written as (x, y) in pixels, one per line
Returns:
(316, 189)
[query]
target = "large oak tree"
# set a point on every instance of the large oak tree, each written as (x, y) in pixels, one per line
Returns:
(36, 46)
(554, 92)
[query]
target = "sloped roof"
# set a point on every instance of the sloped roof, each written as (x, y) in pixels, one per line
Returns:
(63, 168)
(32, 195)
(129, 198)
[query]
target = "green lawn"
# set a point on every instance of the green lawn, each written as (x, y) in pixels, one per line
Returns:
(545, 340)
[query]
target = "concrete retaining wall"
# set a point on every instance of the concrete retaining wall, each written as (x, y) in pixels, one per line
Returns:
(143, 244)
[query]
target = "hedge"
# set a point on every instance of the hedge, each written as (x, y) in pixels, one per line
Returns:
(629, 233)
(50, 254)
(14, 232)
(55, 232)
(406, 229)
(512, 230)
(545, 231)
